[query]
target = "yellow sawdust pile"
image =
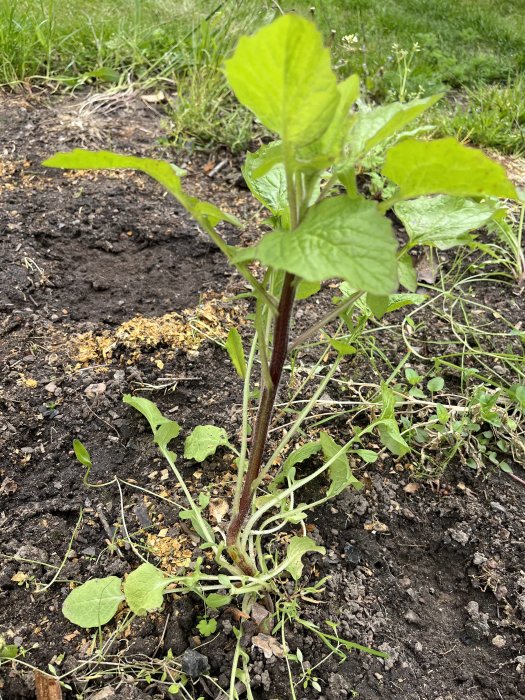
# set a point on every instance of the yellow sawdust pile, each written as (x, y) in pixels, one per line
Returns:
(171, 331)
(173, 553)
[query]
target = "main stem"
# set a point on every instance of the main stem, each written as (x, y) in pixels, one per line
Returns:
(266, 405)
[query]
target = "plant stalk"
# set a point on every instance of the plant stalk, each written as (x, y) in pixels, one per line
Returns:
(264, 414)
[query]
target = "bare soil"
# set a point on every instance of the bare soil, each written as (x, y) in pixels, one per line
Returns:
(102, 282)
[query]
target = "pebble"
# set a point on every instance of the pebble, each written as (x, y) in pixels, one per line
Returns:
(95, 389)
(412, 617)
(497, 506)
(51, 387)
(352, 554)
(499, 641)
(194, 664)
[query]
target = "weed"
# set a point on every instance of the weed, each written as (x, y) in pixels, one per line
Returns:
(442, 191)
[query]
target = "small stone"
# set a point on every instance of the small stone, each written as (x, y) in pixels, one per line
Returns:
(412, 617)
(459, 536)
(194, 664)
(405, 582)
(95, 390)
(495, 505)
(105, 694)
(479, 559)
(51, 387)
(352, 554)
(499, 641)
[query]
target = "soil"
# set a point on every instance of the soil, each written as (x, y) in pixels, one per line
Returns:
(106, 288)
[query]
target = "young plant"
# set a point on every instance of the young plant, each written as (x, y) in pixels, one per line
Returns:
(323, 228)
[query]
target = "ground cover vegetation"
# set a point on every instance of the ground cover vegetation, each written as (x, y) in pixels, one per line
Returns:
(334, 175)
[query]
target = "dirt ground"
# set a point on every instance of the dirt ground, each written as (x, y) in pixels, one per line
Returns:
(107, 287)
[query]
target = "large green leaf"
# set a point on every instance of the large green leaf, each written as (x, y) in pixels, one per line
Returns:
(339, 237)
(282, 73)
(371, 128)
(444, 221)
(162, 171)
(340, 473)
(297, 548)
(93, 603)
(445, 167)
(144, 589)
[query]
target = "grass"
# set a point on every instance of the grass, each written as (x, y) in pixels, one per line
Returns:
(473, 46)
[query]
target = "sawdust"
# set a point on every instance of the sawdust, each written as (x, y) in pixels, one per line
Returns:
(174, 553)
(171, 332)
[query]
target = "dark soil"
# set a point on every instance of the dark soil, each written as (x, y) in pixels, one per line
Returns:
(435, 577)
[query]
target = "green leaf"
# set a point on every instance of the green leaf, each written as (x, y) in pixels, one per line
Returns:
(389, 433)
(203, 441)
(306, 289)
(339, 237)
(81, 453)
(282, 73)
(444, 221)
(517, 394)
(340, 473)
(148, 409)
(202, 528)
(435, 384)
(398, 301)
(297, 548)
(93, 603)
(235, 350)
(378, 304)
(166, 432)
(160, 170)
(412, 376)
(299, 455)
(445, 167)
(270, 187)
(9, 651)
(342, 348)
(391, 437)
(371, 128)
(407, 272)
(144, 589)
(216, 600)
(207, 627)
(368, 456)
(442, 414)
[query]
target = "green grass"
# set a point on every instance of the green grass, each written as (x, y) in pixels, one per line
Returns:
(473, 45)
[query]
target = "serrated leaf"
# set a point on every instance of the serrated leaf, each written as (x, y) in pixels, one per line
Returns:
(160, 170)
(203, 441)
(235, 350)
(339, 471)
(207, 627)
(282, 73)
(372, 128)
(445, 167)
(297, 548)
(81, 453)
(216, 600)
(444, 221)
(339, 237)
(144, 589)
(93, 603)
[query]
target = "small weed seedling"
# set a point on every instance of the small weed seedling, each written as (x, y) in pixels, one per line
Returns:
(323, 228)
